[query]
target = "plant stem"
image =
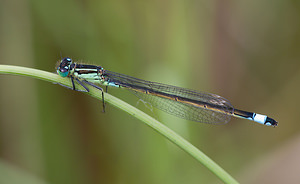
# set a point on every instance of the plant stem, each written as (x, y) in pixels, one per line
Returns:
(156, 125)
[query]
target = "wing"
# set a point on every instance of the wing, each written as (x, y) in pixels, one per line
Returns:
(183, 110)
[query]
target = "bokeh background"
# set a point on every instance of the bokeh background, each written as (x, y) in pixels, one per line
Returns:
(245, 51)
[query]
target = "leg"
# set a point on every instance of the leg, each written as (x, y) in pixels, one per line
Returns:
(72, 79)
(73, 85)
(79, 82)
(97, 87)
(64, 86)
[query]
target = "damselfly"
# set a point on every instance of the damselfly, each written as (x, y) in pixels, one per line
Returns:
(184, 103)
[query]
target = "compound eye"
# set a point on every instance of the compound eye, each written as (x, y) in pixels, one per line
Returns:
(64, 67)
(63, 72)
(66, 60)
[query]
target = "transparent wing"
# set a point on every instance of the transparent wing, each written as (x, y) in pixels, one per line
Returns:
(177, 108)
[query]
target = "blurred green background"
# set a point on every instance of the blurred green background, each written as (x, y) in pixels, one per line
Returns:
(247, 52)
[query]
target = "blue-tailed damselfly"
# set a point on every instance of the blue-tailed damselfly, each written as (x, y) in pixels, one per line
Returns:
(184, 103)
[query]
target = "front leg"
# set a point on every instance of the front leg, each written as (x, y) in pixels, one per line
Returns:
(73, 85)
(79, 82)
